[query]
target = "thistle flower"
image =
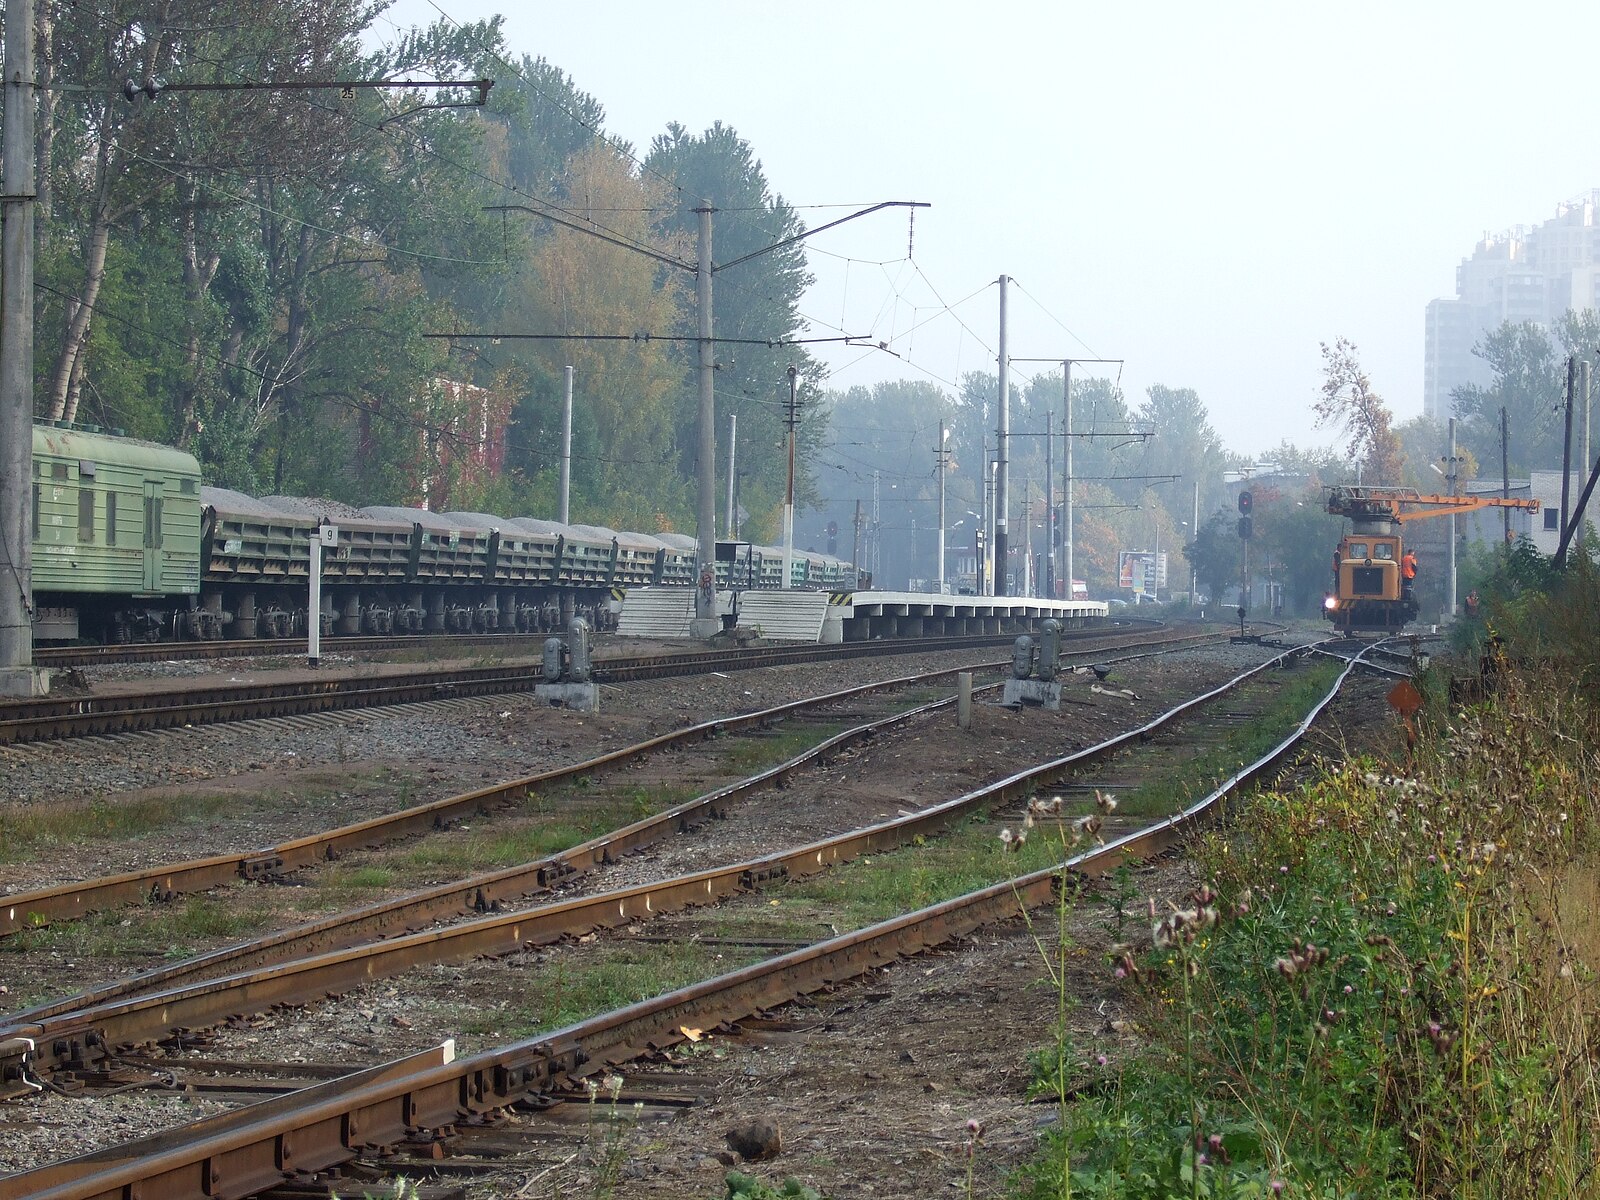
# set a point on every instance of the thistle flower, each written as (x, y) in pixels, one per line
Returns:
(1105, 802)
(1007, 837)
(1276, 1187)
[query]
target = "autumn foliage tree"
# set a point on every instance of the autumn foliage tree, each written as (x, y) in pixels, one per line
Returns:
(1349, 403)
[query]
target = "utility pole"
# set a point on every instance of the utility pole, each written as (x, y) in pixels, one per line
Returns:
(733, 449)
(1505, 471)
(1450, 559)
(790, 420)
(566, 452)
(942, 457)
(1066, 471)
(982, 544)
(705, 622)
(1194, 530)
(855, 546)
(875, 558)
(1002, 476)
(1566, 443)
(1583, 386)
(1049, 508)
(1027, 538)
(18, 186)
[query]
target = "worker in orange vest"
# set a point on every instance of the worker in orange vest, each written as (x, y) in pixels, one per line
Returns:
(1408, 573)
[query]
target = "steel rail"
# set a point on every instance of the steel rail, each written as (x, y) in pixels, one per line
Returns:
(73, 1039)
(42, 906)
(251, 1149)
(131, 652)
(57, 717)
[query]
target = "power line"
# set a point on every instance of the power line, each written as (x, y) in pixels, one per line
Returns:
(283, 216)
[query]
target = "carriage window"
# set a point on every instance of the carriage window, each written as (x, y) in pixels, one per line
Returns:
(111, 518)
(58, 470)
(36, 512)
(1383, 550)
(86, 515)
(1357, 550)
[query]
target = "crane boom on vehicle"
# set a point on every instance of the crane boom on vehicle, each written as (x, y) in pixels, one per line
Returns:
(1384, 504)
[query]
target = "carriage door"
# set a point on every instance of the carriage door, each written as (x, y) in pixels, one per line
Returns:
(152, 535)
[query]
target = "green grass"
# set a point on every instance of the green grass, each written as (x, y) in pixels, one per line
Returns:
(880, 886)
(355, 879)
(1387, 989)
(1169, 784)
(156, 929)
(27, 829)
(751, 755)
(609, 975)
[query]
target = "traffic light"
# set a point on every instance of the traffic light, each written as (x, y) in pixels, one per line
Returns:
(1247, 502)
(1246, 525)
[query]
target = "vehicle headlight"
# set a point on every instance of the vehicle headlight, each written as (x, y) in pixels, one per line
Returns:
(1330, 603)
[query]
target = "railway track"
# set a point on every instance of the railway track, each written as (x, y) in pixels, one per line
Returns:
(61, 657)
(315, 1128)
(61, 717)
(80, 1029)
(35, 908)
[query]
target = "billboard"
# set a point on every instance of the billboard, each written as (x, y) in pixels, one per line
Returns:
(1142, 570)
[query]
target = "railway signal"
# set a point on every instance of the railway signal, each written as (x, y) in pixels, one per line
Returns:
(1246, 526)
(1247, 503)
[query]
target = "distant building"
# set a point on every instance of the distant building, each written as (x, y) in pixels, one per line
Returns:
(459, 440)
(1546, 488)
(1520, 275)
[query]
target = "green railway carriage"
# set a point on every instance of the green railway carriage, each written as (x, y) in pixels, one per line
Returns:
(116, 521)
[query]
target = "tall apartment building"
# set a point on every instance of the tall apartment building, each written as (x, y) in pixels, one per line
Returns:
(1525, 274)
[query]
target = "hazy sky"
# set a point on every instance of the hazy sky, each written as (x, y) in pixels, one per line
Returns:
(1204, 190)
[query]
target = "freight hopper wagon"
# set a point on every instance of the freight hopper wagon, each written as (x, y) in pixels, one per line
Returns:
(410, 570)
